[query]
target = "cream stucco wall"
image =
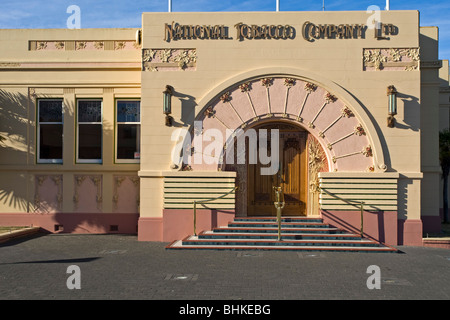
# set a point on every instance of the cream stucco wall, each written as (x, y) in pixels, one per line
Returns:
(107, 64)
(75, 70)
(339, 61)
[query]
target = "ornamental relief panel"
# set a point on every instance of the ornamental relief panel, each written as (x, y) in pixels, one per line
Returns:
(48, 194)
(88, 193)
(126, 196)
(344, 138)
(92, 45)
(394, 59)
(169, 59)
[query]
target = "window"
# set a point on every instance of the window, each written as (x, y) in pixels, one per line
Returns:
(89, 131)
(50, 131)
(128, 131)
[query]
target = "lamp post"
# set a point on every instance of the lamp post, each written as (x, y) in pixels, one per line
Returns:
(167, 104)
(392, 105)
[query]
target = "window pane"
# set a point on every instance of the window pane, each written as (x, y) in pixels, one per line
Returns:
(128, 111)
(89, 141)
(50, 141)
(128, 143)
(50, 111)
(89, 111)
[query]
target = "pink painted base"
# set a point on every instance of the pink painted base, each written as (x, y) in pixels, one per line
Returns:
(379, 226)
(150, 229)
(82, 223)
(435, 243)
(176, 224)
(410, 232)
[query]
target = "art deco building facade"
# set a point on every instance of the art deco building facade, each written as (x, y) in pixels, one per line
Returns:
(357, 107)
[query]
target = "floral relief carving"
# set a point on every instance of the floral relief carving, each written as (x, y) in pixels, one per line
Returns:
(186, 167)
(38, 196)
(316, 161)
(245, 87)
(266, 82)
(413, 53)
(289, 82)
(59, 45)
(63, 45)
(367, 151)
(96, 180)
(209, 112)
(185, 58)
(41, 45)
(394, 59)
(330, 98)
(99, 45)
(396, 55)
(359, 130)
(225, 97)
(120, 45)
(9, 64)
(165, 55)
(310, 87)
(81, 45)
(118, 180)
(375, 57)
(346, 112)
(168, 59)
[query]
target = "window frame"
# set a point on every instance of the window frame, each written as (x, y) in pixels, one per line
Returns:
(77, 135)
(38, 132)
(116, 130)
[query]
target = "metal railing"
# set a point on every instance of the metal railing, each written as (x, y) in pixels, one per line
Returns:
(279, 205)
(208, 200)
(351, 202)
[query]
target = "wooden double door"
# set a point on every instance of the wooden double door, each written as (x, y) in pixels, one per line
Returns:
(291, 176)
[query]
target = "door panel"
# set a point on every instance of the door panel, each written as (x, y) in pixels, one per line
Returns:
(294, 173)
(291, 176)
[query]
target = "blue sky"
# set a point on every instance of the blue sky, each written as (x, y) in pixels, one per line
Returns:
(127, 14)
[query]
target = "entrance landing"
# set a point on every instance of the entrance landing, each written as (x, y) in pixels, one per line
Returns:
(297, 233)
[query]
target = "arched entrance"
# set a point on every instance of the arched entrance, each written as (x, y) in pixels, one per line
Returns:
(328, 135)
(291, 176)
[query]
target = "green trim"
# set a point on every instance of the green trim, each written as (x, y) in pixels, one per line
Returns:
(194, 193)
(36, 129)
(115, 131)
(363, 188)
(196, 188)
(360, 183)
(363, 194)
(214, 203)
(187, 208)
(193, 182)
(76, 131)
(357, 210)
(359, 200)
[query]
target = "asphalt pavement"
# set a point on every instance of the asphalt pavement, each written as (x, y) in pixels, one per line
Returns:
(118, 267)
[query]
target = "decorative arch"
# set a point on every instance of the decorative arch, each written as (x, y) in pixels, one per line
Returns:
(321, 107)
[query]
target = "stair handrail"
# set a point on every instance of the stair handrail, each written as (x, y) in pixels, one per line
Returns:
(208, 200)
(361, 203)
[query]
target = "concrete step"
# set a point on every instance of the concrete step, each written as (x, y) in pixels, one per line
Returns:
(274, 219)
(268, 224)
(261, 233)
(329, 230)
(178, 245)
(195, 240)
(287, 236)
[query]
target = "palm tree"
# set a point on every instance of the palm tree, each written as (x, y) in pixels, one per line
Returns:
(444, 158)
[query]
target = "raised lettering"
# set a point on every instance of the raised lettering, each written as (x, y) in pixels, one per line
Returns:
(168, 32)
